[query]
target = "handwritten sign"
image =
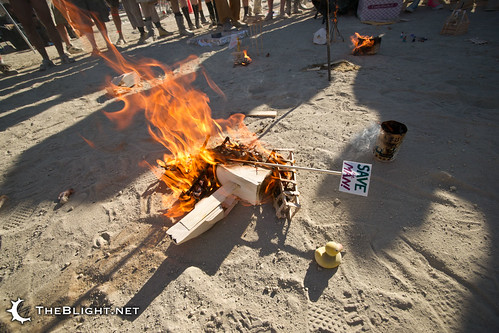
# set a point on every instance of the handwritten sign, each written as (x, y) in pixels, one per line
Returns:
(355, 178)
(233, 41)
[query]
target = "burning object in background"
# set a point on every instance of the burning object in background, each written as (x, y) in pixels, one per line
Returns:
(365, 45)
(241, 58)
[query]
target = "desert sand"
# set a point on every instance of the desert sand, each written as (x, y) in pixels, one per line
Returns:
(419, 249)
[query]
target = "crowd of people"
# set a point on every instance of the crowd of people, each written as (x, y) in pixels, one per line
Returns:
(63, 19)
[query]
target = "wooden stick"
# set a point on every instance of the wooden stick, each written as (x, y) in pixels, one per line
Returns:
(285, 166)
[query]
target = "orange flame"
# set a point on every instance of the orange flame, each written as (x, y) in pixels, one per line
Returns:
(179, 117)
(77, 17)
(359, 42)
(90, 143)
(247, 60)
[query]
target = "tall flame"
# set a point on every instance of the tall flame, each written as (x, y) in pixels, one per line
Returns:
(77, 17)
(179, 118)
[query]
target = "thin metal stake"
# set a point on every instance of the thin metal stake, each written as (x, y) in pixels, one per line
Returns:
(328, 36)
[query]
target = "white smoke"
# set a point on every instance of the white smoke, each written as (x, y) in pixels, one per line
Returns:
(363, 142)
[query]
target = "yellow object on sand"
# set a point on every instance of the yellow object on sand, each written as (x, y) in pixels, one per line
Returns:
(329, 256)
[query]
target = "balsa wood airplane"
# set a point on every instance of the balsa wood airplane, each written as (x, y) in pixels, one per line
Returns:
(239, 182)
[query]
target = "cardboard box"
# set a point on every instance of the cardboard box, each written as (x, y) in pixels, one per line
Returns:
(379, 10)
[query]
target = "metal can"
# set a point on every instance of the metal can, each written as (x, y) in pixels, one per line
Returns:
(389, 140)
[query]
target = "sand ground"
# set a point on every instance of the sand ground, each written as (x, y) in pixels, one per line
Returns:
(420, 248)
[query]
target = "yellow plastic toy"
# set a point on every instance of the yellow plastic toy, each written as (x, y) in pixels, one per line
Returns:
(329, 256)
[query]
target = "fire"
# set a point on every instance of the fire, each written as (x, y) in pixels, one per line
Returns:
(247, 60)
(359, 42)
(179, 118)
(76, 18)
(241, 58)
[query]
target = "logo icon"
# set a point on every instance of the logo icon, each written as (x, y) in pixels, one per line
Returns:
(15, 314)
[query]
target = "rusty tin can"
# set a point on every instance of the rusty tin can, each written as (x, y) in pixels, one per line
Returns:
(389, 140)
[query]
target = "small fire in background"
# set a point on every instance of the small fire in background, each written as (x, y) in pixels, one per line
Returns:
(365, 45)
(247, 59)
(241, 58)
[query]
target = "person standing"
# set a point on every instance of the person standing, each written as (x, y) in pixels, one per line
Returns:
(24, 12)
(134, 13)
(178, 5)
(213, 12)
(61, 22)
(151, 17)
(257, 8)
(115, 5)
(84, 14)
(228, 15)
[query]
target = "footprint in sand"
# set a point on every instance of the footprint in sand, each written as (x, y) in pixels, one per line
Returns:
(101, 240)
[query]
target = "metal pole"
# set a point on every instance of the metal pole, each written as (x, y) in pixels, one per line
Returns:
(328, 36)
(286, 166)
(18, 29)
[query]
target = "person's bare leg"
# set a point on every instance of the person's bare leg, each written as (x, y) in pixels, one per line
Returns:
(84, 26)
(103, 30)
(282, 13)
(63, 33)
(270, 15)
(61, 28)
(43, 12)
(91, 39)
(246, 10)
(23, 11)
(117, 23)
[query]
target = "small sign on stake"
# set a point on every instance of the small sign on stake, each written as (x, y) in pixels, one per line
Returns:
(355, 178)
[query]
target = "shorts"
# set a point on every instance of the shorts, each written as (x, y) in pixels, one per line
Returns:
(113, 3)
(97, 7)
(58, 17)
